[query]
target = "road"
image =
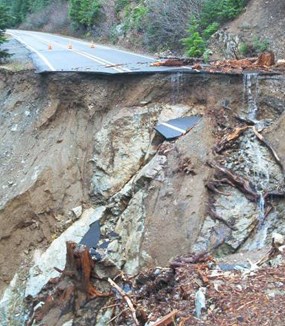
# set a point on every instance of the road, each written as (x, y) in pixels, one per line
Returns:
(59, 53)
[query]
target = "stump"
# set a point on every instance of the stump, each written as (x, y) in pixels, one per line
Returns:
(266, 59)
(70, 291)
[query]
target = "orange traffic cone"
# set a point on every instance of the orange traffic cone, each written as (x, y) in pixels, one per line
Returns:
(69, 46)
(49, 47)
(92, 46)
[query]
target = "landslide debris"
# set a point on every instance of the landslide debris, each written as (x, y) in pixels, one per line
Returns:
(194, 290)
(90, 145)
(62, 141)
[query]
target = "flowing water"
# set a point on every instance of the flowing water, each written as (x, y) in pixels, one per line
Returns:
(176, 80)
(250, 84)
(260, 177)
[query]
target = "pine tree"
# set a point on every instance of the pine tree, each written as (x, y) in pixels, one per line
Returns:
(4, 19)
(84, 12)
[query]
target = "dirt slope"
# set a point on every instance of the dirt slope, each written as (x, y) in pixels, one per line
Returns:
(261, 19)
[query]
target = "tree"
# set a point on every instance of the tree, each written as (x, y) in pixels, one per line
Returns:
(195, 45)
(165, 22)
(84, 12)
(212, 14)
(4, 20)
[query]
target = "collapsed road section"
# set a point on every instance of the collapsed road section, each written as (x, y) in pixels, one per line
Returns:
(82, 149)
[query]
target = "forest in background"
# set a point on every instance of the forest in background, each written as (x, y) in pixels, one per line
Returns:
(181, 26)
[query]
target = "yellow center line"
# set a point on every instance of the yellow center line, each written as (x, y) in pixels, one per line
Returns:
(84, 54)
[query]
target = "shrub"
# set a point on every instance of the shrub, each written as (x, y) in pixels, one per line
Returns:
(260, 45)
(253, 47)
(243, 49)
(84, 12)
(120, 5)
(210, 30)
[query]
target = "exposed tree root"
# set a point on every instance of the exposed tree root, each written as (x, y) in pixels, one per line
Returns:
(276, 193)
(215, 216)
(73, 288)
(234, 180)
(237, 132)
(192, 259)
(272, 150)
(220, 147)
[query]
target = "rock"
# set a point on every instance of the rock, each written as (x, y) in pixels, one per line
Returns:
(104, 317)
(278, 239)
(55, 255)
(280, 63)
(68, 323)
(77, 211)
(200, 301)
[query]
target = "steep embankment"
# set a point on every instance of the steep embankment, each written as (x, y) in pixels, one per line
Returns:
(80, 139)
(261, 26)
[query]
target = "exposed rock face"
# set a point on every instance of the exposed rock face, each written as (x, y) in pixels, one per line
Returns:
(81, 133)
(90, 141)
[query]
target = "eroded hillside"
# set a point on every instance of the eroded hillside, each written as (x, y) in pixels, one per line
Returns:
(71, 140)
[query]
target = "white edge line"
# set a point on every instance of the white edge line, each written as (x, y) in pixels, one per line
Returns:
(85, 54)
(44, 59)
(173, 127)
(96, 45)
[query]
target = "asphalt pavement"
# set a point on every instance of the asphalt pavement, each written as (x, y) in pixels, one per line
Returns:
(52, 52)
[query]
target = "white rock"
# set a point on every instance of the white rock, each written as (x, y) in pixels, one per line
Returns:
(278, 239)
(200, 301)
(77, 211)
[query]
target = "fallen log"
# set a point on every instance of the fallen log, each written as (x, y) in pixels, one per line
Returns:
(127, 300)
(177, 62)
(167, 320)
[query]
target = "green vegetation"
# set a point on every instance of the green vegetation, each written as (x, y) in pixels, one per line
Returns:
(19, 9)
(155, 25)
(4, 20)
(253, 47)
(134, 17)
(213, 14)
(84, 12)
(194, 43)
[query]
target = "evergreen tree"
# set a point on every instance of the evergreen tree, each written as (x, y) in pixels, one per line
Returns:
(84, 12)
(194, 43)
(4, 20)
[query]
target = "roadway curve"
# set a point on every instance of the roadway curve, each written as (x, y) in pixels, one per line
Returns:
(59, 53)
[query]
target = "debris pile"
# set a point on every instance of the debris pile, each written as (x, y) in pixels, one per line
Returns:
(194, 290)
(265, 62)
